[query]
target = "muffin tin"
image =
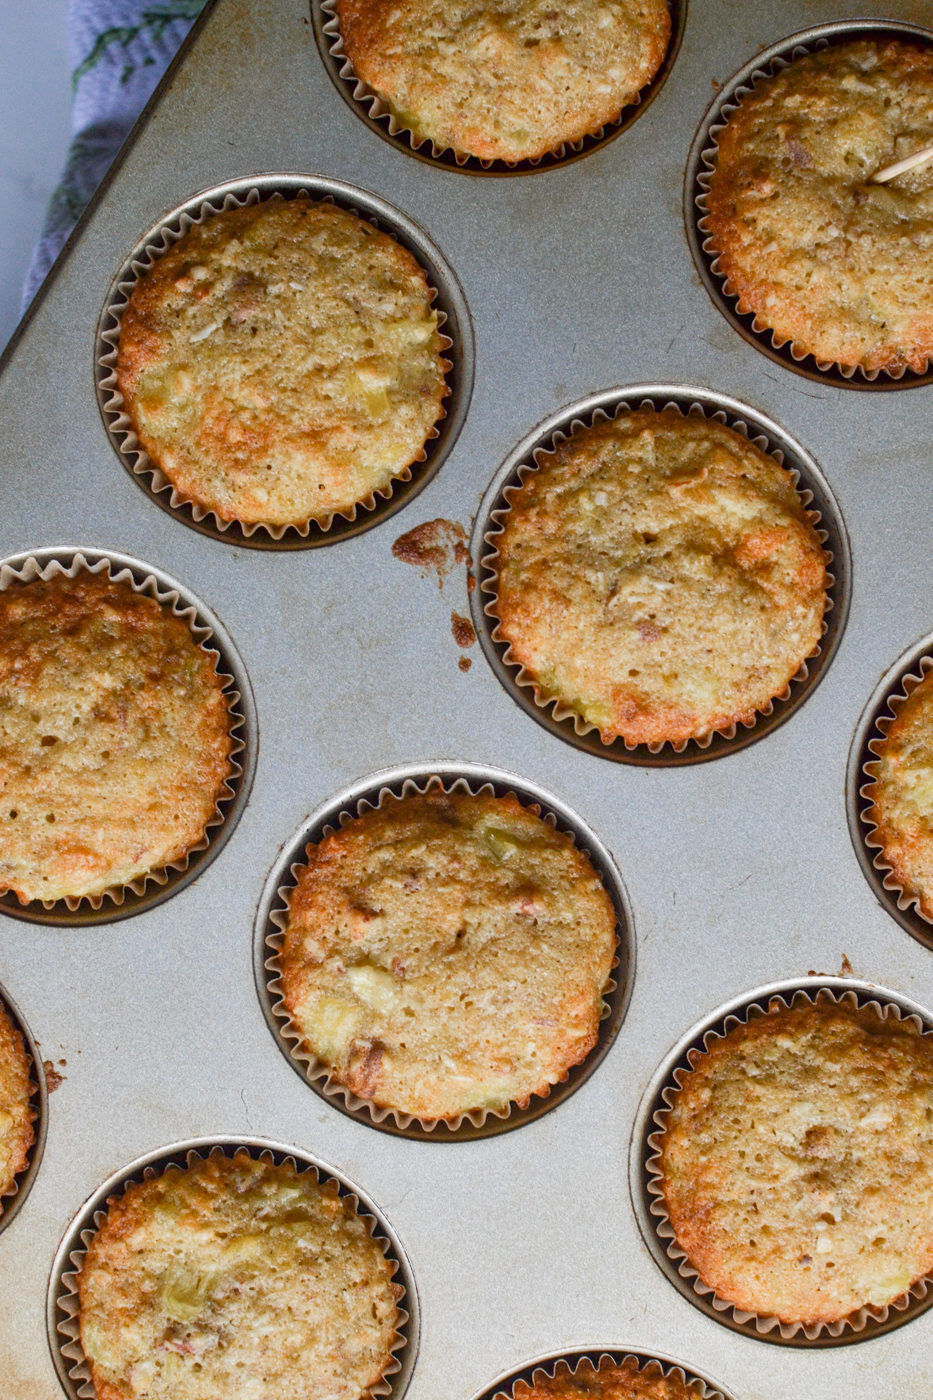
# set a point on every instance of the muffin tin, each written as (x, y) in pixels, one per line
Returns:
(576, 283)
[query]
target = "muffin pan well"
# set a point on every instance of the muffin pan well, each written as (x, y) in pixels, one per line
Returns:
(372, 792)
(647, 1197)
(702, 160)
(13, 1201)
(357, 666)
(62, 1304)
(453, 324)
(687, 400)
(370, 108)
(148, 890)
(894, 685)
(654, 1369)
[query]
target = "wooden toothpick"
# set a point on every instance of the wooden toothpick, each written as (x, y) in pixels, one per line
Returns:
(880, 177)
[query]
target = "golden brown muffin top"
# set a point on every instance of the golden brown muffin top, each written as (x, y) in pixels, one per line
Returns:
(282, 362)
(235, 1268)
(16, 1112)
(838, 265)
(446, 953)
(797, 1162)
(627, 1381)
(902, 795)
(510, 81)
(658, 575)
(114, 736)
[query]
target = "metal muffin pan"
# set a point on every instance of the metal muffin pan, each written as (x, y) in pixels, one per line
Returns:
(739, 873)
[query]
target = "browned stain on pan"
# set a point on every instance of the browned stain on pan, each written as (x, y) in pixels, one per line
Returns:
(436, 544)
(463, 630)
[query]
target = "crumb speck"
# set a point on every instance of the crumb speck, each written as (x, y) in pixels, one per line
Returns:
(845, 969)
(464, 663)
(52, 1077)
(463, 630)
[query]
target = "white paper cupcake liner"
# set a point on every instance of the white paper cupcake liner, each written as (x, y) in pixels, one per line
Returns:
(452, 326)
(865, 1322)
(871, 737)
(272, 923)
(561, 718)
(63, 1300)
(147, 889)
(369, 105)
(588, 1363)
(701, 168)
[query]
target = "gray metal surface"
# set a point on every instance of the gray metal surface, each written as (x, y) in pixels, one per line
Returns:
(740, 871)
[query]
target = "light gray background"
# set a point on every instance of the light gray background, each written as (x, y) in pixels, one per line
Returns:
(35, 107)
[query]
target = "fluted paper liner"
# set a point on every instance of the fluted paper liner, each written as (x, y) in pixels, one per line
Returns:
(319, 1075)
(66, 1303)
(901, 688)
(557, 710)
(590, 1363)
(119, 424)
(727, 103)
(33, 567)
(379, 111)
(860, 1321)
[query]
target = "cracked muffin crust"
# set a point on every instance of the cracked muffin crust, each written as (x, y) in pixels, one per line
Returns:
(658, 575)
(841, 267)
(281, 362)
(114, 737)
(235, 1276)
(901, 793)
(506, 82)
(797, 1161)
(447, 952)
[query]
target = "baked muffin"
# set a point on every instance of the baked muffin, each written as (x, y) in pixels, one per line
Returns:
(839, 266)
(624, 1381)
(797, 1162)
(506, 82)
(901, 795)
(447, 952)
(232, 1270)
(16, 1112)
(114, 737)
(658, 575)
(281, 362)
